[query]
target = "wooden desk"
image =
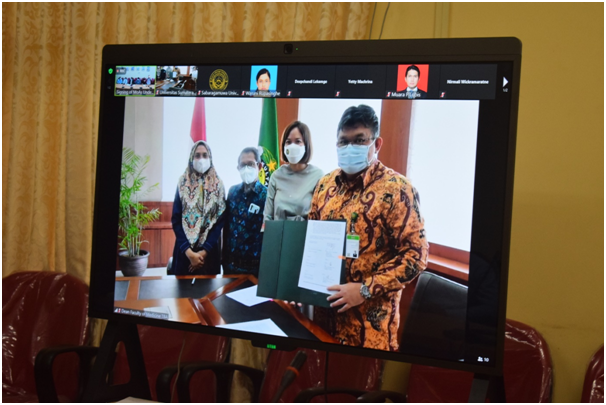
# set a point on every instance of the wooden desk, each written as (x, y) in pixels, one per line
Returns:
(211, 307)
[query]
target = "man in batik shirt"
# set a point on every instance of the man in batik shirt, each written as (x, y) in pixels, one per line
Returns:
(382, 208)
(242, 232)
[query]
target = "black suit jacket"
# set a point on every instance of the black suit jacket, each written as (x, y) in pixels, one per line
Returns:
(419, 94)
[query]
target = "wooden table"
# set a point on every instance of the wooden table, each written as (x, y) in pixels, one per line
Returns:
(212, 307)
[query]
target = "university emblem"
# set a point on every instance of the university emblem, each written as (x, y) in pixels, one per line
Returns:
(218, 80)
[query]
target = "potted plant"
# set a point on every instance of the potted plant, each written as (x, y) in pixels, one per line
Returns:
(134, 216)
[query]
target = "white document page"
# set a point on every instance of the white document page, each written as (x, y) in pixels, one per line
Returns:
(265, 326)
(322, 255)
(247, 296)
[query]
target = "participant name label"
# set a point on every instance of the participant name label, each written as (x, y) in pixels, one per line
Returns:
(463, 81)
(311, 81)
(359, 81)
(121, 92)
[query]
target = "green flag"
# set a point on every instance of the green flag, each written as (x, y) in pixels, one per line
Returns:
(268, 140)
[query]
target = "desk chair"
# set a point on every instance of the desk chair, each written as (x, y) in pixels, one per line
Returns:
(41, 309)
(593, 388)
(349, 375)
(527, 372)
(162, 346)
(435, 326)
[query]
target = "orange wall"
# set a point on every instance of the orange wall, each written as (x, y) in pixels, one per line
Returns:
(556, 281)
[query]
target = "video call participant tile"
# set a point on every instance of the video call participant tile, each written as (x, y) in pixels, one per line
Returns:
(311, 81)
(135, 80)
(176, 80)
(223, 81)
(360, 81)
(468, 82)
(412, 81)
(263, 81)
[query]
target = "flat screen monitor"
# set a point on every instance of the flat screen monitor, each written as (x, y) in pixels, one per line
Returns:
(377, 173)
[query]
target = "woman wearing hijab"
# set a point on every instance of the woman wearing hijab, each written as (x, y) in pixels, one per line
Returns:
(198, 215)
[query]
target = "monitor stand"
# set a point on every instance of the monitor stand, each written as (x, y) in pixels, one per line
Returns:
(97, 388)
(485, 386)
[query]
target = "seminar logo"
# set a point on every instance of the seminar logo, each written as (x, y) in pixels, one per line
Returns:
(218, 80)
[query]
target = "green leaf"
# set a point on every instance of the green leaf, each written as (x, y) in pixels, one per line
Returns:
(133, 216)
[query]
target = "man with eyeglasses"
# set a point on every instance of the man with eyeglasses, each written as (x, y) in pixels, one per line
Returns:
(387, 247)
(244, 217)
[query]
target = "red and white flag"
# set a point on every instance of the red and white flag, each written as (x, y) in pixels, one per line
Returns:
(198, 121)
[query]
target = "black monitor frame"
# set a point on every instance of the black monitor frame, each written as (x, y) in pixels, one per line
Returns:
(493, 193)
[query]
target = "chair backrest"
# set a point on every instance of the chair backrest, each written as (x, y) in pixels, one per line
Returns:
(345, 371)
(593, 388)
(40, 309)
(161, 348)
(435, 326)
(527, 372)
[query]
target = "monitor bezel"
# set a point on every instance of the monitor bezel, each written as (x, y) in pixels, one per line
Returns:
(111, 119)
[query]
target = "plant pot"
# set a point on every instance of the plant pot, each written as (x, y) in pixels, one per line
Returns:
(133, 266)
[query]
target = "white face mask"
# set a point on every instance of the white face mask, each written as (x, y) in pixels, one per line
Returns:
(201, 165)
(354, 158)
(294, 153)
(249, 174)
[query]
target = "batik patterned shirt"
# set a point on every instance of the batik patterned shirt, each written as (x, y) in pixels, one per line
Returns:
(242, 232)
(393, 250)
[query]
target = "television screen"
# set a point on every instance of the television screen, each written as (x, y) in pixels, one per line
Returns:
(348, 196)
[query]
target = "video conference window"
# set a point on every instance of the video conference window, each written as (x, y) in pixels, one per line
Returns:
(366, 81)
(263, 78)
(311, 81)
(176, 80)
(214, 197)
(412, 80)
(221, 81)
(135, 80)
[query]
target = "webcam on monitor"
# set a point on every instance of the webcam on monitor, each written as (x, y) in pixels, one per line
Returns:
(288, 49)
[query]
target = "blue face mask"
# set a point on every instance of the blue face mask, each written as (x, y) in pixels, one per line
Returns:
(354, 158)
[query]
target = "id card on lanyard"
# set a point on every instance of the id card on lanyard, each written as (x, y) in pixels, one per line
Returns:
(352, 241)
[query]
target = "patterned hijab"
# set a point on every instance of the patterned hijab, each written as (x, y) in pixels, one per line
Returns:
(202, 198)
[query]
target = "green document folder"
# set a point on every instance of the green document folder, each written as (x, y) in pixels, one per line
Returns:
(280, 267)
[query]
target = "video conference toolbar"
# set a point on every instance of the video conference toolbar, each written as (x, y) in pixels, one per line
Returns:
(406, 81)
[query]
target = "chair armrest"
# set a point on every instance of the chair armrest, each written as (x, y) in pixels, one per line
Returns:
(310, 393)
(223, 373)
(163, 383)
(381, 396)
(43, 369)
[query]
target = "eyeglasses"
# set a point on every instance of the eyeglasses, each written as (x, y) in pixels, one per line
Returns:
(358, 141)
(252, 165)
